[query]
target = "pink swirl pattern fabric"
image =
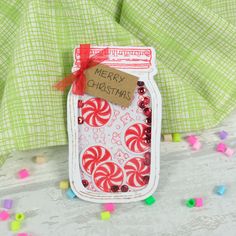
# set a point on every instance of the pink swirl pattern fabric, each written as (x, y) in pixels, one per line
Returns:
(135, 171)
(108, 174)
(96, 112)
(93, 156)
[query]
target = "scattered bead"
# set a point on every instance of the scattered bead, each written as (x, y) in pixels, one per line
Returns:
(141, 90)
(80, 120)
(19, 217)
(22, 234)
(80, 103)
(114, 188)
(40, 159)
(167, 137)
(148, 121)
(190, 203)
(64, 184)
(221, 147)
(109, 207)
(142, 104)
(24, 173)
(7, 203)
(146, 179)
(70, 194)
(124, 188)
(85, 183)
(147, 111)
(140, 83)
(220, 190)
(15, 226)
(223, 134)
(196, 146)
(150, 200)
(176, 137)
(198, 202)
(4, 215)
(229, 152)
(105, 215)
(146, 100)
(192, 139)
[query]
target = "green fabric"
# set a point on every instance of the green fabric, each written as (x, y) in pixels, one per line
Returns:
(196, 54)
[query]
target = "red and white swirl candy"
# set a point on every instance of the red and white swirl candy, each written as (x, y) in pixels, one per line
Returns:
(135, 172)
(135, 138)
(96, 112)
(93, 156)
(108, 174)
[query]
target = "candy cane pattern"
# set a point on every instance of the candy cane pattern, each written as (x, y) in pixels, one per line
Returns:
(93, 156)
(108, 174)
(135, 171)
(96, 112)
(134, 138)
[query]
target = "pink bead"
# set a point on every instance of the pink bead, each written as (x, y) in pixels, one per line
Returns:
(4, 215)
(221, 147)
(24, 173)
(109, 207)
(192, 139)
(22, 234)
(229, 152)
(198, 202)
(196, 146)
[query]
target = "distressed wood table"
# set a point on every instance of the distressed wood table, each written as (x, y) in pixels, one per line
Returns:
(184, 174)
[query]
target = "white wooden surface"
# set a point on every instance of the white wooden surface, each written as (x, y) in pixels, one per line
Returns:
(184, 174)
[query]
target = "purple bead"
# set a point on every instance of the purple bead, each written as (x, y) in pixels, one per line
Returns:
(140, 83)
(223, 134)
(141, 90)
(7, 203)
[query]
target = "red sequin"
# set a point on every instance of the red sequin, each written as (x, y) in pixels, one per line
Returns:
(146, 179)
(141, 90)
(124, 188)
(147, 111)
(148, 130)
(80, 104)
(80, 120)
(114, 188)
(148, 121)
(147, 154)
(142, 104)
(146, 100)
(85, 182)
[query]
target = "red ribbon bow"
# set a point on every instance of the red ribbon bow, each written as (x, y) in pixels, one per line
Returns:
(78, 78)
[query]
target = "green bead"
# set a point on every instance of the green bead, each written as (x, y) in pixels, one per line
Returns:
(15, 226)
(19, 217)
(176, 137)
(150, 200)
(190, 203)
(105, 215)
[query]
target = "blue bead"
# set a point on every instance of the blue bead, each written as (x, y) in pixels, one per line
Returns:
(70, 194)
(220, 190)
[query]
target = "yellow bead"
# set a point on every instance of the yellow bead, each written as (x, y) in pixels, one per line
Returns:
(64, 184)
(176, 137)
(15, 226)
(105, 215)
(19, 217)
(167, 137)
(40, 159)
